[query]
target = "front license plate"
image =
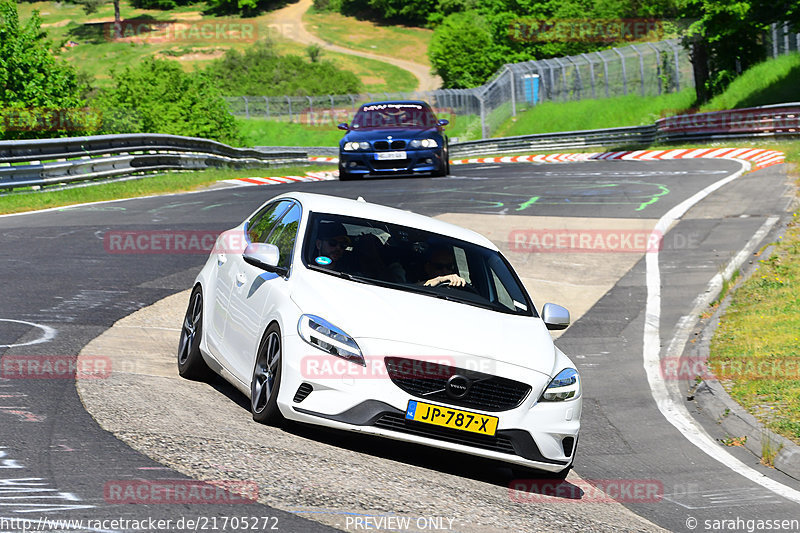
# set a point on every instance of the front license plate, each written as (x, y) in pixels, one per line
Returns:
(384, 156)
(451, 418)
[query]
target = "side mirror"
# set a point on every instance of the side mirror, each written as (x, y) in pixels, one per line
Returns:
(443, 122)
(264, 256)
(343, 126)
(555, 317)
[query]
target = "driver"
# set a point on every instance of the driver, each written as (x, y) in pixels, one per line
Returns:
(332, 241)
(440, 267)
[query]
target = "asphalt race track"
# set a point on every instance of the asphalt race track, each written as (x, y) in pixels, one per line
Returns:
(63, 285)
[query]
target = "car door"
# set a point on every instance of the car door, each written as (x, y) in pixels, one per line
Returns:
(251, 295)
(227, 251)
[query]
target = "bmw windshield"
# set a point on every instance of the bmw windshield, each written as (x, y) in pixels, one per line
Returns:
(393, 115)
(413, 260)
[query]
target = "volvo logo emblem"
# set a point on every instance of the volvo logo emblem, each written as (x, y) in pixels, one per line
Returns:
(458, 386)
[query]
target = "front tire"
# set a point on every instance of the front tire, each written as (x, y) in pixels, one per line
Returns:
(266, 381)
(190, 360)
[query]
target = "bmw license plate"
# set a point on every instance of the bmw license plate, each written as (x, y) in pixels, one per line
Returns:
(451, 418)
(385, 156)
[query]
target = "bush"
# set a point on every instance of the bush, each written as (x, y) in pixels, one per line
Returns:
(39, 95)
(461, 50)
(156, 96)
(259, 71)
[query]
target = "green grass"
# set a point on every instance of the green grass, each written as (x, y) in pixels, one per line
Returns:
(630, 110)
(172, 182)
(399, 42)
(262, 132)
(756, 347)
(772, 82)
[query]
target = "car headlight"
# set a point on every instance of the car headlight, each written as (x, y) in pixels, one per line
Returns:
(424, 143)
(321, 334)
(353, 146)
(565, 386)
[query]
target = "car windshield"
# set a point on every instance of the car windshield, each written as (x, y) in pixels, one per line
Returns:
(394, 116)
(413, 260)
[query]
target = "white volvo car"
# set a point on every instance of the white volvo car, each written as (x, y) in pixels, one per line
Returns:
(367, 318)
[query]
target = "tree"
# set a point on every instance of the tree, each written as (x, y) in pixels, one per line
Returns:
(91, 6)
(462, 50)
(157, 96)
(36, 88)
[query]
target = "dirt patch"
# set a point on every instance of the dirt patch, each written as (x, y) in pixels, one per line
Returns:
(59, 24)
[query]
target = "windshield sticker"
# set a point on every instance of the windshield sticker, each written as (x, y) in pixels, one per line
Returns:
(323, 260)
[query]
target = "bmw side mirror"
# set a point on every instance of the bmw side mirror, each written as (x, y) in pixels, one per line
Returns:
(443, 122)
(343, 126)
(264, 256)
(555, 317)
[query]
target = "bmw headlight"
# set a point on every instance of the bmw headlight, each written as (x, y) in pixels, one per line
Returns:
(565, 386)
(423, 143)
(321, 334)
(353, 146)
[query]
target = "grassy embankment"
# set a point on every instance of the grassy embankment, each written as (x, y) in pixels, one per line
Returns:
(95, 54)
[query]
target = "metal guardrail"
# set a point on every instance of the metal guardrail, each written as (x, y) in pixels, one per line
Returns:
(42, 162)
(632, 136)
(55, 161)
(749, 123)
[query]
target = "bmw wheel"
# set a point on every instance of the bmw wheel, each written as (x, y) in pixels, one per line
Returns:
(266, 380)
(190, 360)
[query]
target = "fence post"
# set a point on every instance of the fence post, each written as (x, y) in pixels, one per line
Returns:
(563, 77)
(591, 74)
(641, 66)
(605, 70)
(659, 81)
(288, 99)
(774, 28)
(246, 107)
(353, 102)
(624, 72)
(513, 92)
(785, 38)
(578, 80)
(677, 66)
(483, 116)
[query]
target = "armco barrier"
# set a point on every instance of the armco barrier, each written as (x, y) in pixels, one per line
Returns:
(43, 162)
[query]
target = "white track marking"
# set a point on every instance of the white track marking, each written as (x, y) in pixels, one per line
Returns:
(48, 333)
(671, 406)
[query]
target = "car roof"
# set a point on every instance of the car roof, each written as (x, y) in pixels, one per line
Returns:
(386, 102)
(322, 203)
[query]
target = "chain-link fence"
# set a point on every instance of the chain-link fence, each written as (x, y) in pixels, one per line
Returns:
(645, 69)
(783, 40)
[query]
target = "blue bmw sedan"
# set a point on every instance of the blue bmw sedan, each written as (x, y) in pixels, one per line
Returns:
(390, 138)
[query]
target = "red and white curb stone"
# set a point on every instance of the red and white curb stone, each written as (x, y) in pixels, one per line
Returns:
(759, 158)
(310, 176)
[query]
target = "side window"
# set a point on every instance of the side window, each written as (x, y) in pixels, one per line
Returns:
(284, 235)
(261, 224)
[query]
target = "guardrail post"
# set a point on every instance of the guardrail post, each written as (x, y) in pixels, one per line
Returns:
(624, 72)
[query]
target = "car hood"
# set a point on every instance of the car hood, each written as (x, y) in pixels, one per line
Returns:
(371, 312)
(396, 133)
